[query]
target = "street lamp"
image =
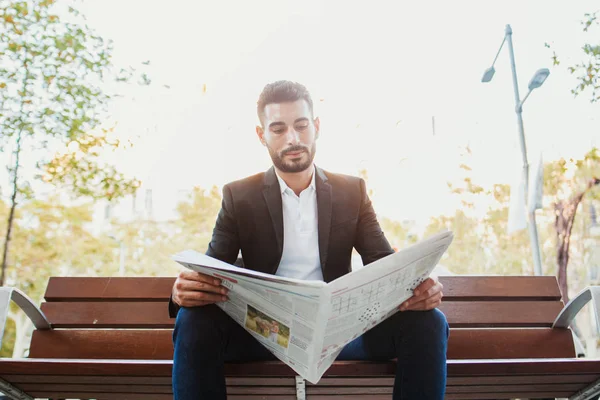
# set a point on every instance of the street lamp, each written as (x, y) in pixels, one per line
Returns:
(536, 81)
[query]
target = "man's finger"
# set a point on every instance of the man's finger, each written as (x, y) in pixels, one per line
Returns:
(203, 296)
(424, 286)
(431, 291)
(198, 277)
(196, 303)
(186, 286)
(426, 304)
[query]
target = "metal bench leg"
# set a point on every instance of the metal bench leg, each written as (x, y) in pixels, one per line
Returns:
(568, 314)
(39, 321)
(589, 393)
(12, 392)
(25, 303)
(300, 388)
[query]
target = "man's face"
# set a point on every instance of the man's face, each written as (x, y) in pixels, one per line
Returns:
(289, 132)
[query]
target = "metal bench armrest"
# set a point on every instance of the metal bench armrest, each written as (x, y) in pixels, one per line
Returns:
(568, 314)
(26, 304)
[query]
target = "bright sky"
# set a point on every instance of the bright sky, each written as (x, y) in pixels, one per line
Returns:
(378, 71)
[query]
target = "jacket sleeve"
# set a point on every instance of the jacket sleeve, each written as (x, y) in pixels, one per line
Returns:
(371, 242)
(225, 242)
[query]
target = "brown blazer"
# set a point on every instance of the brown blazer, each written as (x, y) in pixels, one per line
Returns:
(251, 220)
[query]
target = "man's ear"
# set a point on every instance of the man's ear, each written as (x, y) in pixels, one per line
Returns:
(261, 134)
(317, 123)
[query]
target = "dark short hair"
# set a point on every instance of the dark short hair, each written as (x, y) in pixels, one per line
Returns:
(282, 92)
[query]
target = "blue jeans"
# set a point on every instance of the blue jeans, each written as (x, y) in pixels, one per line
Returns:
(206, 337)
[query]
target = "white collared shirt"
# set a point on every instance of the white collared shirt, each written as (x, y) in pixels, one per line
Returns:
(300, 258)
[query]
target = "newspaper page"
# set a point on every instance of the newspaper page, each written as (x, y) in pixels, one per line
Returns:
(362, 299)
(281, 313)
(306, 324)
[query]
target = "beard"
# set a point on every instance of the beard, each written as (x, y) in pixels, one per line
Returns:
(300, 163)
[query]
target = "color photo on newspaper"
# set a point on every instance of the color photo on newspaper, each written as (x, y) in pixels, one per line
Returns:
(272, 330)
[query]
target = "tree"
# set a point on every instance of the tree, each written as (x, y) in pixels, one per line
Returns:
(569, 192)
(481, 242)
(149, 244)
(52, 239)
(51, 97)
(588, 71)
(483, 245)
(197, 216)
(568, 182)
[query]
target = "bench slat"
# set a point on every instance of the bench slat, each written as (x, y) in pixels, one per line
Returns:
(460, 314)
(289, 381)
(157, 344)
(157, 396)
(108, 289)
(489, 288)
(49, 388)
(108, 314)
(545, 387)
(148, 396)
(457, 288)
(290, 390)
(495, 396)
(467, 369)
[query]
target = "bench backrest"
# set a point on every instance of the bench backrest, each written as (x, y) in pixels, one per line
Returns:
(126, 318)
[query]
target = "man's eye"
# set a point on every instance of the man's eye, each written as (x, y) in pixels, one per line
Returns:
(301, 127)
(278, 131)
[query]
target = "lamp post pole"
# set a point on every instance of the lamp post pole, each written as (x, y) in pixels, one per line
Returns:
(537, 81)
(532, 225)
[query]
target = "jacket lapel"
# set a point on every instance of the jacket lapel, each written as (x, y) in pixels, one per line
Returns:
(272, 195)
(324, 214)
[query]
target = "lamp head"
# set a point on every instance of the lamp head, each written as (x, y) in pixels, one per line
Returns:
(488, 74)
(538, 78)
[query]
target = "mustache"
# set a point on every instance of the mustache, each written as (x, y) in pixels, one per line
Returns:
(294, 149)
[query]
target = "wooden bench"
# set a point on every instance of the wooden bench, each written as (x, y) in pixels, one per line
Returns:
(110, 338)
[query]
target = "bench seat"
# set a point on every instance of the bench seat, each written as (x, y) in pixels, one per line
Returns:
(110, 338)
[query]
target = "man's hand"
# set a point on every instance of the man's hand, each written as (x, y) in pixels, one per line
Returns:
(194, 289)
(427, 296)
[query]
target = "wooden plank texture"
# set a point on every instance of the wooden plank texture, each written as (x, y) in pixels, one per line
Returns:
(147, 396)
(460, 314)
(464, 369)
(157, 344)
(583, 379)
(545, 387)
(456, 288)
(255, 390)
(491, 288)
(506, 395)
(482, 314)
(105, 396)
(500, 391)
(108, 314)
(108, 289)
(510, 343)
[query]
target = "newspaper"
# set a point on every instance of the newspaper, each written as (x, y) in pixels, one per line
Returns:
(306, 324)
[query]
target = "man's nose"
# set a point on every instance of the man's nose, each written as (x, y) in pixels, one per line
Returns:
(293, 136)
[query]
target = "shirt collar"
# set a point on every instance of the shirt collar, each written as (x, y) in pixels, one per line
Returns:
(283, 186)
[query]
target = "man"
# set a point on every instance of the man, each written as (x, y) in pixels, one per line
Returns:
(299, 221)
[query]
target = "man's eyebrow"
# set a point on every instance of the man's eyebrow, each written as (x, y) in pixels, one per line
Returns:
(278, 123)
